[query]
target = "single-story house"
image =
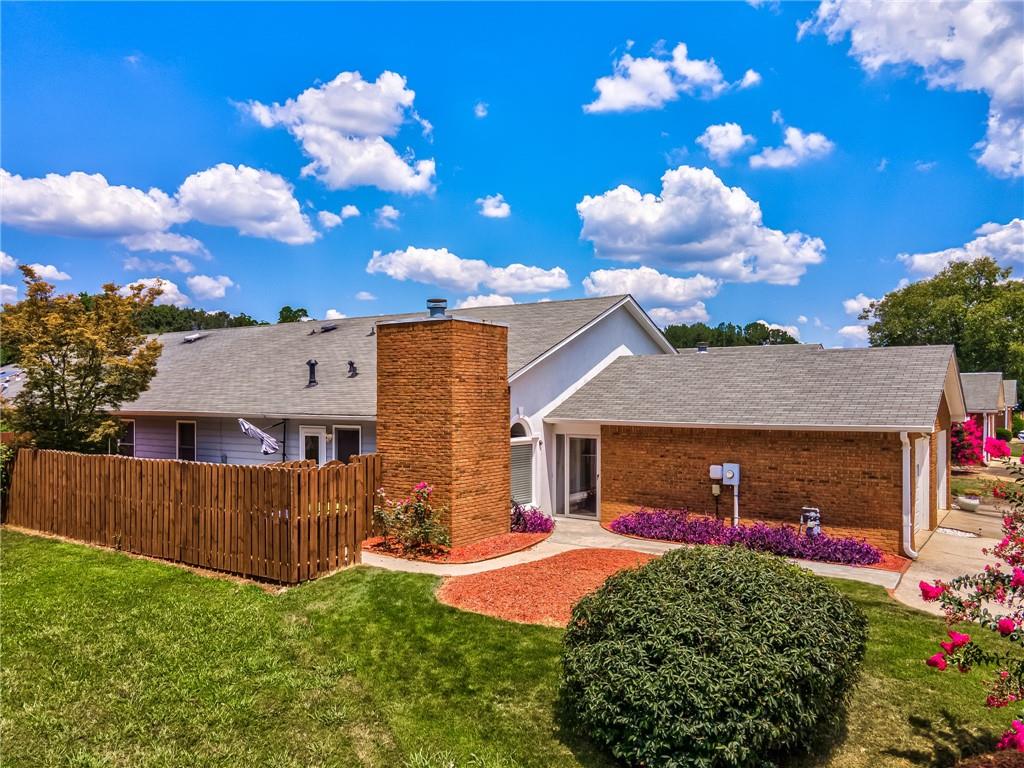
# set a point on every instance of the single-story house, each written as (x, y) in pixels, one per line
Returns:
(986, 404)
(1010, 396)
(861, 434)
(581, 408)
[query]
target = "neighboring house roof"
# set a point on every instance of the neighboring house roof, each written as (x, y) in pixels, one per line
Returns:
(1010, 392)
(783, 386)
(261, 370)
(983, 392)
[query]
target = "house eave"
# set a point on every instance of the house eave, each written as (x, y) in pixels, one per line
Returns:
(255, 414)
(921, 428)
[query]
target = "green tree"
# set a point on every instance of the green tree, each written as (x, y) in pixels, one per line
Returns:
(166, 319)
(289, 315)
(726, 335)
(82, 358)
(973, 305)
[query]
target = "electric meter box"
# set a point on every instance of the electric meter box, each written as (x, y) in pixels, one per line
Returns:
(731, 474)
(716, 472)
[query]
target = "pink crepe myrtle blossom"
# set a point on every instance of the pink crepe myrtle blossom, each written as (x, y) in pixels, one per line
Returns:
(996, 448)
(1013, 739)
(993, 600)
(931, 592)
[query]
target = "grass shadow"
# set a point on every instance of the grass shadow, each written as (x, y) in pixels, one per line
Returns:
(948, 741)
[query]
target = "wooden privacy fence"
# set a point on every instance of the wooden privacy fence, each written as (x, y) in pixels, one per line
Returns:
(286, 523)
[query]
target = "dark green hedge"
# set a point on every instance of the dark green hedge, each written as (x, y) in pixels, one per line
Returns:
(711, 656)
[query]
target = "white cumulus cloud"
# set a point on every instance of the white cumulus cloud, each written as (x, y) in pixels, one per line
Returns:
(494, 206)
(441, 267)
(341, 125)
(480, 109)
(857, 304)
(797, 148)
(83, 205)
(1002, 242)
(49, 272)
(696, 223)
(333, 314)
(750, 79)
(386, 217)
(485, 300)
(330, 219)
(365, 296)
(164, 242)
(649, 82)
(649, 285)
(255, 202)
(665, 316)
(8, 293)
(7, 263)
(170, 292)
(961, 46)
(854, 335)
(721, 142)
(206, 287)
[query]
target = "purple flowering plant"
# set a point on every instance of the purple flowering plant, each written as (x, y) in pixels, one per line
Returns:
(678, 525)
(526, 519)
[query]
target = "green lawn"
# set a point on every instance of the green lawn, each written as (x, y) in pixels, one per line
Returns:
(114, 661)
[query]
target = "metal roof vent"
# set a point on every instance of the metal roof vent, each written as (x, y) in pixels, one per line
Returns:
(192, 338)
(352, 371)
(437, 307)
(312, 373)
(702, 346)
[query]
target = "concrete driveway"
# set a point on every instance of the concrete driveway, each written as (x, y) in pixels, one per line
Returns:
(946, 555)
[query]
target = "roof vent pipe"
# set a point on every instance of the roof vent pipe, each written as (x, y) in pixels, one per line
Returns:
(437, 307)
(312, 373)
(702, 346)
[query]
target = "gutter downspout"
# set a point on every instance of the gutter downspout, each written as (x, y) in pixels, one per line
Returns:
(908, 507)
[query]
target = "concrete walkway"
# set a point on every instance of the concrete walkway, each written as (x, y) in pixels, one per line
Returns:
(573, 534)
(945, 556)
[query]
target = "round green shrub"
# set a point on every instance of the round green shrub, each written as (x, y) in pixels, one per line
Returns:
(711, 656)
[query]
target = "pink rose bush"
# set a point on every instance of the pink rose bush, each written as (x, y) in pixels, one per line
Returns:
(412, 525)
(993, 600)
(996, 448)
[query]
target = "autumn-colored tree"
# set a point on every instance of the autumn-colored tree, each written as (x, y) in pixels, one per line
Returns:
(81, 359)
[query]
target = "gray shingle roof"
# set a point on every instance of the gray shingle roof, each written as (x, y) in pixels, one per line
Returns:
(981, 391)
(1010, 392)
(777, 386)
(262, 370)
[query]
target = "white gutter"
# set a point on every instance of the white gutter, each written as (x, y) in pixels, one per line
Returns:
(908, 507)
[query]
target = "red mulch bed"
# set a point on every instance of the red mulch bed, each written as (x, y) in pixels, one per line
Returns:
(486, 549)
(541, 592)
(993, 760)
(887, 563)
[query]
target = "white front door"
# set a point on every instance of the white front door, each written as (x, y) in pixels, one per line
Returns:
(941, 470)
(921, 485)
(313, 444)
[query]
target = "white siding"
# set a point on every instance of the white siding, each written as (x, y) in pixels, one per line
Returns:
(535, 393)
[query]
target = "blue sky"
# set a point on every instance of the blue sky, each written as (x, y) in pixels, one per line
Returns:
(892, 165)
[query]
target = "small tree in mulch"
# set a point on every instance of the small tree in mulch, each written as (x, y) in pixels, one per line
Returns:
(412, 526)
(994, 600)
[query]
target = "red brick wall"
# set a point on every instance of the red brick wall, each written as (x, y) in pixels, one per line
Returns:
(854, 477)
(442, 417)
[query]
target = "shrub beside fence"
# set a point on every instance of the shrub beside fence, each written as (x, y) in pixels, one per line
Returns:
(287, 522)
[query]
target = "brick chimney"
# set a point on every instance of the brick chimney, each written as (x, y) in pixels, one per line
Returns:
(443, 417)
